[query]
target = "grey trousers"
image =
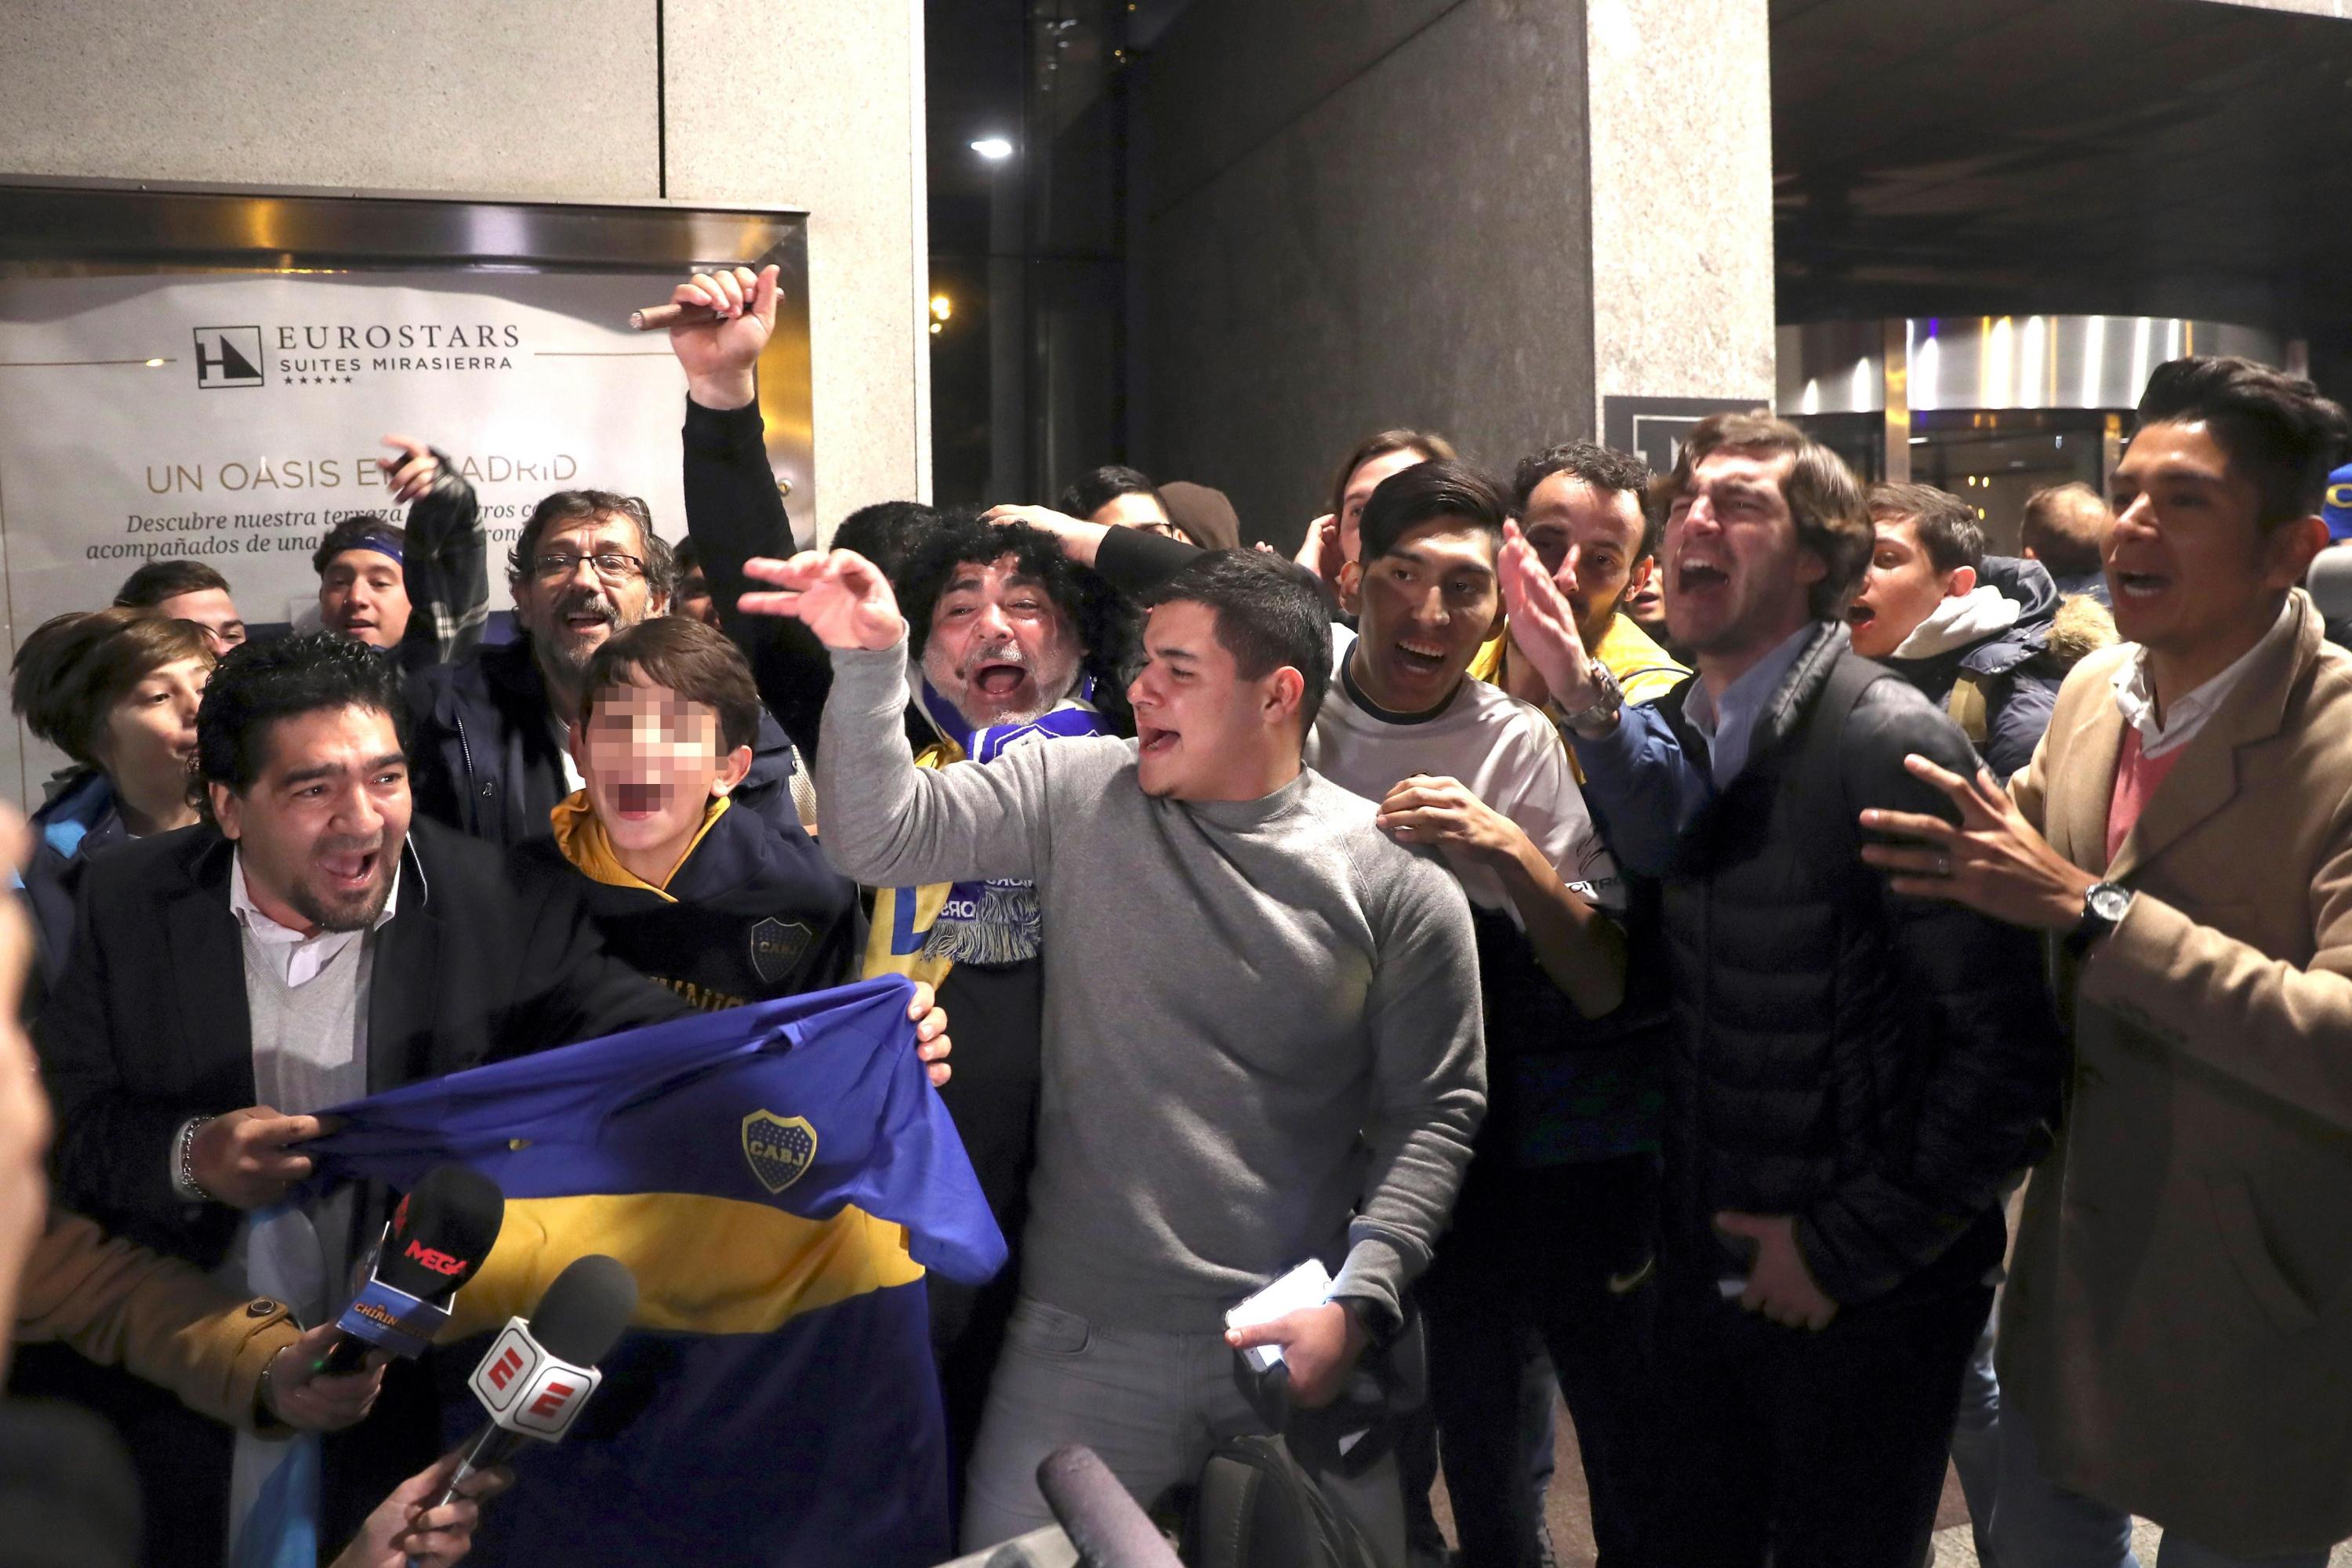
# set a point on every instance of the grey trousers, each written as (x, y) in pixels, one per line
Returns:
(1151, 1405)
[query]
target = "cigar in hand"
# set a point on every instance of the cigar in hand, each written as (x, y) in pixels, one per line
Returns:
(661, 318)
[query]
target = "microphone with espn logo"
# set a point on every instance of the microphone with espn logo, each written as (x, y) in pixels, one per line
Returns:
(437, 1241)
(537, 1375)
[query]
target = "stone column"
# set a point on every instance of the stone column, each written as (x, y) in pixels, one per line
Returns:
(1507, 220)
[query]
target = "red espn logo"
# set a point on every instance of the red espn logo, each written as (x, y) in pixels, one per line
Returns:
(552, 1398)
(502, 1372)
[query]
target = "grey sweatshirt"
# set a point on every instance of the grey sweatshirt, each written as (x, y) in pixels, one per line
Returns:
(1262, 1028)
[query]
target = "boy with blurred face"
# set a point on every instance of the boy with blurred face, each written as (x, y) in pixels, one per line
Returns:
(493, 754)
(1813, 1319)
(1221, 927)
(2182, 832)
(721, 905)
(1461, 766)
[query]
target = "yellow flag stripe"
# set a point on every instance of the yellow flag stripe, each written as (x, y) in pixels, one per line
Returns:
(704, 1264)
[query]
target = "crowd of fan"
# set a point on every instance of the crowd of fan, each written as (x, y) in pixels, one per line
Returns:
(1637, 930)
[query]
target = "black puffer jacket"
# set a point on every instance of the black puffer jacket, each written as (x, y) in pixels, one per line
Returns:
(1874, 1066)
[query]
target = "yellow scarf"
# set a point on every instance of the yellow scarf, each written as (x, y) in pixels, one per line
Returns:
(580, 835)
(927, 901)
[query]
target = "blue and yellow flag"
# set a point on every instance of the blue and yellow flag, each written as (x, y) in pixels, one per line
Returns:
(777, 1176)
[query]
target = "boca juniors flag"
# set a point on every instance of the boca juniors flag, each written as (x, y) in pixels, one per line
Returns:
(777, 1176)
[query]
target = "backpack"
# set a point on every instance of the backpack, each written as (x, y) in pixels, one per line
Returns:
(1258, 1507)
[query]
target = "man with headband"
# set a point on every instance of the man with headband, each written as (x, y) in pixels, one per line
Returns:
(423, 591)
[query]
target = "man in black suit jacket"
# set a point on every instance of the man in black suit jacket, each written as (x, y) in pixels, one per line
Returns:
(316, 938)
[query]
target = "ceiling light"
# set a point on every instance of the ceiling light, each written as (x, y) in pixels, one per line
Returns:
(995, 149)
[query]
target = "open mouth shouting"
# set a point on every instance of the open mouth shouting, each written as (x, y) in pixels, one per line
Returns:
(1700, 574)
(349, 871)
(1415, 657)
(2140, 584)
(585, 615)
(1859, 615)
(998, 679)
(1154, 742)
(638, 801)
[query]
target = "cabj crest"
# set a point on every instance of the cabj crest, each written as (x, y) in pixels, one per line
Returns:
(779, 1149)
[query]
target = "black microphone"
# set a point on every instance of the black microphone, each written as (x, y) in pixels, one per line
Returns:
(537, 1375)
(1094, 1511)
(437, 1240)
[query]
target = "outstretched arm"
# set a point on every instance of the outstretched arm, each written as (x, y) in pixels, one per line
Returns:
(446, 564)
(886, 822)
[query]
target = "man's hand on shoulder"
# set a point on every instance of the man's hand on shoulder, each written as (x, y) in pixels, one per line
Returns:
(839, 595)
(1992, 861)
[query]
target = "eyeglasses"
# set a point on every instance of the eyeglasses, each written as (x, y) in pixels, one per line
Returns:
(610, 564)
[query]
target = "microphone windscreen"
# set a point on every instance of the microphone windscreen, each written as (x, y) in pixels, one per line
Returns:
(581, 1317)
(441, 1232)
(1107, 1526)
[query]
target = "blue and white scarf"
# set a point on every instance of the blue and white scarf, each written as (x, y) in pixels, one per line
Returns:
(997, 921)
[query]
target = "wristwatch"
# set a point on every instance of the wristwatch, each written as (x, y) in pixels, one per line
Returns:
(1605, 708)
(2104, 907)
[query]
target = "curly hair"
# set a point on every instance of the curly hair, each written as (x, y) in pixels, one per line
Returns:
(261, 684)
(1104, 626)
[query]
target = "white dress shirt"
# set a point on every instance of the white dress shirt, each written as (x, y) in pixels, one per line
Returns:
(2136, 694)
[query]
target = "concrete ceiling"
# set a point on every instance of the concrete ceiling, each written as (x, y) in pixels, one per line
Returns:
(2138, 156)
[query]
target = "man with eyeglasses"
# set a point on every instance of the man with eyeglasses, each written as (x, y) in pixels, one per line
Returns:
(491, 754)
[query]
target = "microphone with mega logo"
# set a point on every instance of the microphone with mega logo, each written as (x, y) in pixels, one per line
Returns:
(1097, 1514)
(537, 1375)
(437, 1240)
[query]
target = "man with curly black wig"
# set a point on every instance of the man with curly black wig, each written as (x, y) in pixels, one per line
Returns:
(1018, 648)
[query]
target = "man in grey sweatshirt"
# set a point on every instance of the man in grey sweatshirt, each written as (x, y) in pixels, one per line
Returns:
(1262, 1035)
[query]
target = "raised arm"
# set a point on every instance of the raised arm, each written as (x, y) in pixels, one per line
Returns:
(733, 510)
(1644, 785)
(1128, 559)
(886, 822)
(446, 564)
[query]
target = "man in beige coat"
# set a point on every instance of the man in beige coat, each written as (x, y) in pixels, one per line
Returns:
(2177, 1338)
